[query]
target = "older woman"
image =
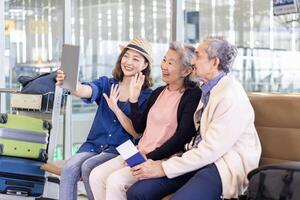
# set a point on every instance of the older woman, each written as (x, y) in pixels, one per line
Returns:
(226, 147)
(167, 122)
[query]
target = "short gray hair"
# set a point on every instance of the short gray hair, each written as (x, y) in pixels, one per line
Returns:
(186, 54)
(218, 47)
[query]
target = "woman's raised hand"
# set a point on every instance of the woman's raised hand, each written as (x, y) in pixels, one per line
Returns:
(113, 98)
(136, 84)
(60, 77)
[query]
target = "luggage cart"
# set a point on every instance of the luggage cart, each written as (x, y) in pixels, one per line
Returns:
(35, 106)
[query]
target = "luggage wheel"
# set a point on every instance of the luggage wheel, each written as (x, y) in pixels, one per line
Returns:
(43, 156)
(47, 125)
(3, 118)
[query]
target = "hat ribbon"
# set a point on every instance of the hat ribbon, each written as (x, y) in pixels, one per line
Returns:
(137, 48)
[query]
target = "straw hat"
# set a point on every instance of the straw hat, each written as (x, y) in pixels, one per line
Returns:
(140, 45)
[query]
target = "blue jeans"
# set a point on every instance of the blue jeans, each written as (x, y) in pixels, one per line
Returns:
(204, 184)
(80, 165)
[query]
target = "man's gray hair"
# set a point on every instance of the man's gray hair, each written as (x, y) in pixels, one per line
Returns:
(218, 47)
(186, 54)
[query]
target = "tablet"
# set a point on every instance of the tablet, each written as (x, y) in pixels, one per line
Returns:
(130, 154)
(70, 65)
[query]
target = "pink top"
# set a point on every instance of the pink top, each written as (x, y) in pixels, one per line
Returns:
(161, 121)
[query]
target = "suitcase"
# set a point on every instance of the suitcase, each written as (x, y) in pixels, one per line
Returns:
(23, 136)
(21, 177)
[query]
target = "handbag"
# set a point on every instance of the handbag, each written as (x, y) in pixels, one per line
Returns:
(275, 182)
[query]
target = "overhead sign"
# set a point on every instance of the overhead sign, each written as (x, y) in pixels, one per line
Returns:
(281, 7)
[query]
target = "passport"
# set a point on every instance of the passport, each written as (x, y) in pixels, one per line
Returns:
(130, 153)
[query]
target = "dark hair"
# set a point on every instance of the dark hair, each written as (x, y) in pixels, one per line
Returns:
(186, 54)
(118, 74)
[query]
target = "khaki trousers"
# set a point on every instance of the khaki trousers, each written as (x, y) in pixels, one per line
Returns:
(111, 180)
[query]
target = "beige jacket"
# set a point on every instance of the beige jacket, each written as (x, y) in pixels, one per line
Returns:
(229, 139)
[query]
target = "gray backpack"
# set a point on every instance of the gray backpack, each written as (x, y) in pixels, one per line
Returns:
(275, 182)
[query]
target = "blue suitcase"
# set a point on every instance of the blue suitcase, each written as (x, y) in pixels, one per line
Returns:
(22, 177)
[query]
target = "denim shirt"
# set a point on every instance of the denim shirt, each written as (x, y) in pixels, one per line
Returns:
(106, 132)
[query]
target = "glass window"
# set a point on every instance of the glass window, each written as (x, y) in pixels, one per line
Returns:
(33, 37)
(268, 45)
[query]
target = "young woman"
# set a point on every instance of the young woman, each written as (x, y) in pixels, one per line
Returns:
(166, 123)
(107, 131)
(225, 149)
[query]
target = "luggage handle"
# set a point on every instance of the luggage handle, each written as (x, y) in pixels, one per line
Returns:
(17, 191)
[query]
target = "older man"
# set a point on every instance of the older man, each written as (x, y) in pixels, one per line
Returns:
(226, 146)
